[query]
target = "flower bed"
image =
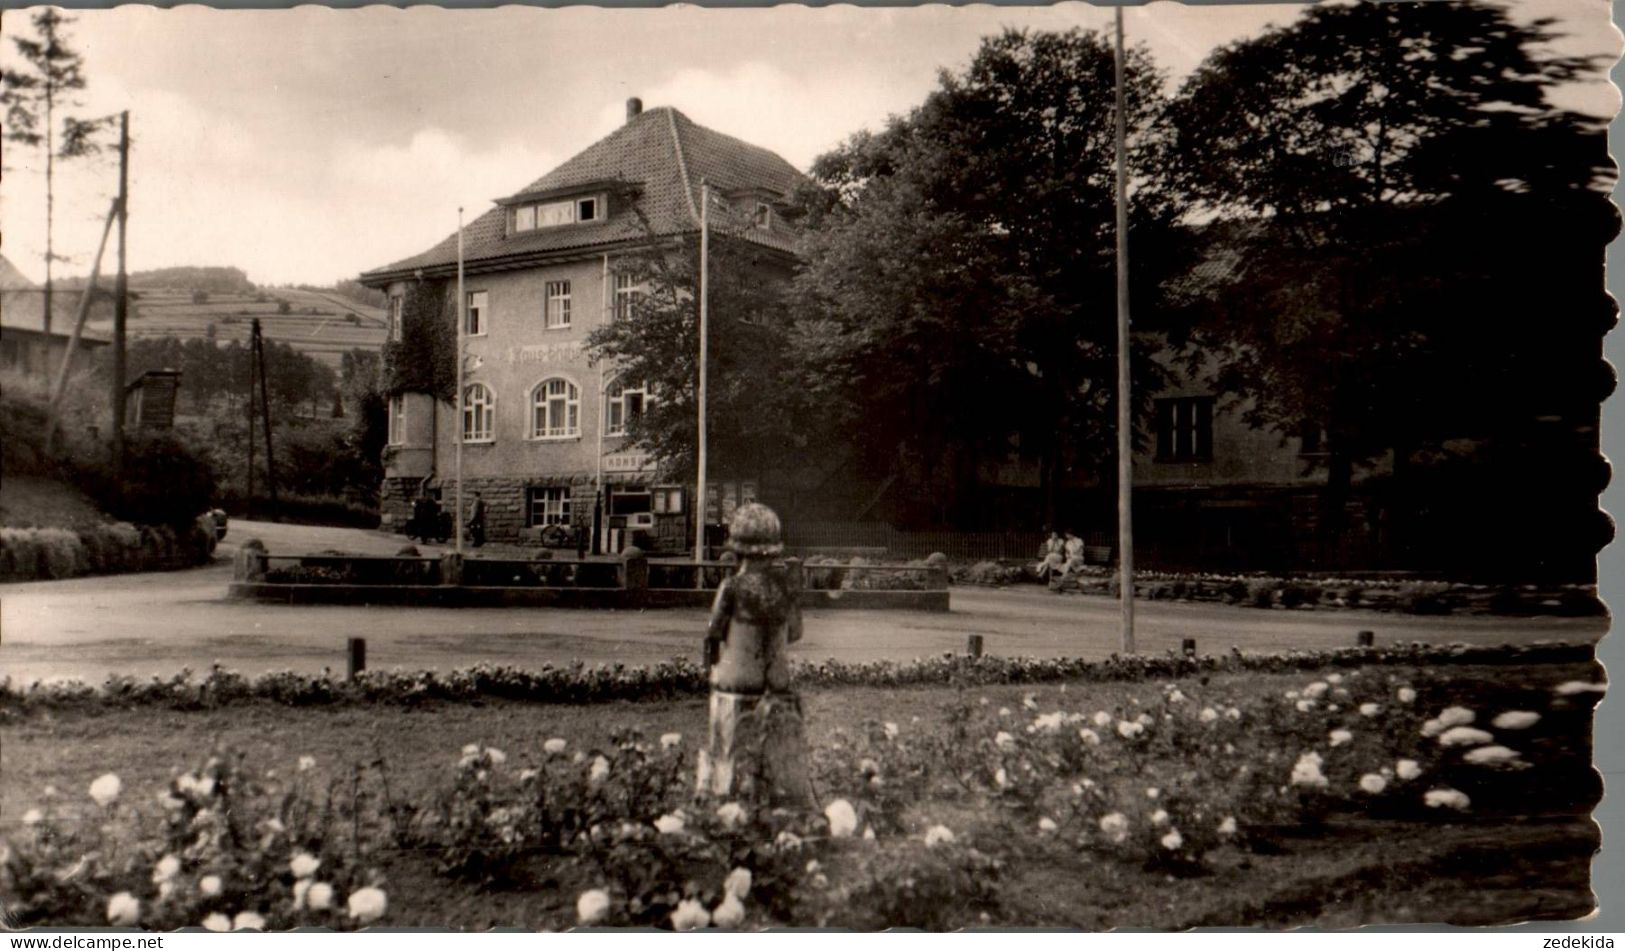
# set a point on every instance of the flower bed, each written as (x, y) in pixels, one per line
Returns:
(942, 818)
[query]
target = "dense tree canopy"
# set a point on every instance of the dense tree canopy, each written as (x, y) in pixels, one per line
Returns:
(959, 276)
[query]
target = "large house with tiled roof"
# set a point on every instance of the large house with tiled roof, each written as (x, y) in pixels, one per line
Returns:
(543, 430)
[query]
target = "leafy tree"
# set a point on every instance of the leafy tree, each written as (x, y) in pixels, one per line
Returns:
(1370, 166)
(424, 359)
(751, 419)
(960, 282)
(33, 90)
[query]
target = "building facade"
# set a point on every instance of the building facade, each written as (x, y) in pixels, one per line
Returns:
(543, 429)
(25, 347)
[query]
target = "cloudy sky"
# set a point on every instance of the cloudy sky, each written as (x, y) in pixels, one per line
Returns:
(307, 145)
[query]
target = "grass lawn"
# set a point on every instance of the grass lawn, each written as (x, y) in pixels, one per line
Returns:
(1498, 864)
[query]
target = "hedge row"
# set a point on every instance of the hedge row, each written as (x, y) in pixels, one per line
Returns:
(680, 677)
(29, 554)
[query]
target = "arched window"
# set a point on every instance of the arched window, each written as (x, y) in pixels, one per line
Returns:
(479, 414)
(623, 403)
(555, 409)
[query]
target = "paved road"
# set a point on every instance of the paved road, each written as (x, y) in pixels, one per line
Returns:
(158, 623)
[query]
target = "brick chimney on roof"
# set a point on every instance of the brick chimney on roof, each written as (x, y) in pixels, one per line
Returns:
(634, 107)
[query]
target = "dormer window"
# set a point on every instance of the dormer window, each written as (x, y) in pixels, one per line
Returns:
(531, 216)
(763, 216)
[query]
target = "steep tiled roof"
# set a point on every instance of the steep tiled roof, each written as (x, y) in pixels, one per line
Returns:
(660, 157)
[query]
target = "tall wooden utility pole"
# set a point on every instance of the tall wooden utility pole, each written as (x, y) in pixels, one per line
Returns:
(1125, 418)
(700, 507)
(258, 357)
(121, 298)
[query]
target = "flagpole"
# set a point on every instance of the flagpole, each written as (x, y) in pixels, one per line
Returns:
(457, 522)
(705, 262)
(1125, 422)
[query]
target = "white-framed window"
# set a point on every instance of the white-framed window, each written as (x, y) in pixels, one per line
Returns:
(477, 310)
(762, 217)
(547, 505)
(668, 500)
(479, 414)
(625, 293)
(397, 420)
(1185, 429)
(555, 410)
(551, 214)
(397, 306)
(624, 403)
(556, 306)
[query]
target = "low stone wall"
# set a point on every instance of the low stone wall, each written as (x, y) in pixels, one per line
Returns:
(458, 596)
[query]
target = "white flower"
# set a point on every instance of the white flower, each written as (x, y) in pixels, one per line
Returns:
(301, 889)
(1446, 797)
(245, 920)
(1331, 708)
(1334, 678)
(1144, 719)
(1571, 687)
(1291, 695)
(1491, 756)
(1407, 769)
(1047, 824)
(217, 922)
(732, 814)
(1405, 695)
(1172, 840)
(1306, 771)
(1050, 722)
(1432, 728)
(496, 756)
(1232, 713)
(320, 897)
(1030, 701)
(1339, 737)
(1208, 715)
(209, 885)
(304, 865)
(938, 835)
(526, 775)
(1316, 690)
(669, 824)
(1089, 736)
(167, 868)
(737, 883)
(368, 904)
(1128, 729)
(730, 912)
(1152, 792)
(1004, 711)
(788, 841)
(1228, 826)
(1456, 716)
(1176, 697)
(1115, 826)
(592, 906)
(1373, 783)
(1102, 718)
(1369, 709)
(307, 763)
(1516, 720)
(670, 741)
(123, 909)
(554, 746)
(1304, 706)
(471, 750)
(690, 914)
(891, 730)
(1464, 736)
(983, 701)
(869, 833)
(843, 819)
(105, 790)
(1000, 778)
(1004, 741)
(1159, 817)
(166, 801)
(599, 771)
(33, 817)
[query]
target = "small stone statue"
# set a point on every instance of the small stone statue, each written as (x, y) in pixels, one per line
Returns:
(756, 747)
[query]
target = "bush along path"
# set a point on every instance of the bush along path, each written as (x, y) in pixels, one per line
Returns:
(1209, 797)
